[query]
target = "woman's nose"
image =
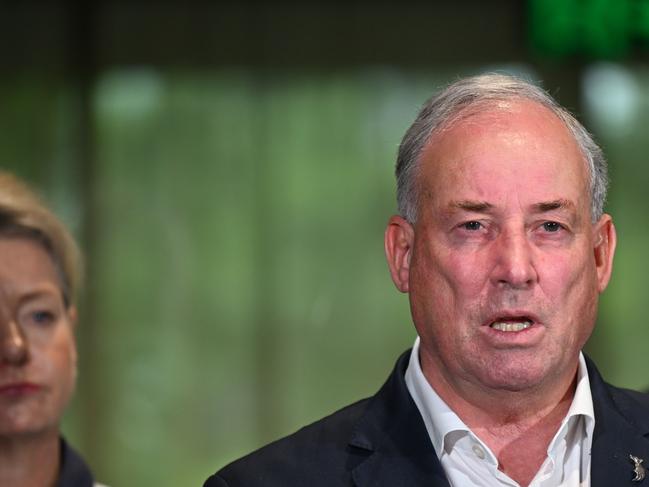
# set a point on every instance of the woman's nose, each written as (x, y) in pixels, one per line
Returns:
(13, 343)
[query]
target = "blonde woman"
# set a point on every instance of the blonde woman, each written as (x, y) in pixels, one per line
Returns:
(39, 280)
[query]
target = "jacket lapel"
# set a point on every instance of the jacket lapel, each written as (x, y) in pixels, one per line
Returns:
(621, 426)
(394, 437)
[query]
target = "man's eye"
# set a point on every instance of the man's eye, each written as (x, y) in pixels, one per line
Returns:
(472, 226)
(551, 227)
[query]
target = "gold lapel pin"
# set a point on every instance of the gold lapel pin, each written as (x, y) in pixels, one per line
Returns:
(638, 469)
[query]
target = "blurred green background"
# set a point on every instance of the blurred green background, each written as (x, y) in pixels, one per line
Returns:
(228, 168)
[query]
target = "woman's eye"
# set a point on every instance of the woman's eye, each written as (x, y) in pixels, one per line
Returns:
(43, 317)
(472, 226)
(551, 227)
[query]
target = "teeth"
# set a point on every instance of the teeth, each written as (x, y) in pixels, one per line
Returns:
(501, 326)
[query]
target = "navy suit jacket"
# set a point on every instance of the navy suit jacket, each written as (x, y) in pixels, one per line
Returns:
(382, 442)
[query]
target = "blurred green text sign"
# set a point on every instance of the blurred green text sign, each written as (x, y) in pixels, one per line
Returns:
(593, 28)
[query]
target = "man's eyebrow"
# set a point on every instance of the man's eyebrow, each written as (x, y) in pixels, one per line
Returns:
(474, 206)
(560, 204)
(483, 206)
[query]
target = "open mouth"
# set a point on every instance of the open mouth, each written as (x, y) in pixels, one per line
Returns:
(511, 324)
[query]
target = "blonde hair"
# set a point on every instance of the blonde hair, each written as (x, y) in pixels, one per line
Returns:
(24, 214)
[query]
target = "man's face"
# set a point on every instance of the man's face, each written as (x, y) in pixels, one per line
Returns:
(37, 347)
(503, 266)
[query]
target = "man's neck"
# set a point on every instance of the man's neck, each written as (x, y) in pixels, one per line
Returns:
(521, 444)
(517, 426)
(30, 461)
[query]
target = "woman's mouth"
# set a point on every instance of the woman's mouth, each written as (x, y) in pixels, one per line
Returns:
(19, 389)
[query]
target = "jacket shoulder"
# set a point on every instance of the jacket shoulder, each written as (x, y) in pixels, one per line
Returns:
(641, 399)
(634, 404)
(317, 454)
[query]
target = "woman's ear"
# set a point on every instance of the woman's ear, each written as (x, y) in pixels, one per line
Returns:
(73, 315)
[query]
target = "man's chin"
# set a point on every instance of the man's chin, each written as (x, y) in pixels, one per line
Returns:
(515, 377)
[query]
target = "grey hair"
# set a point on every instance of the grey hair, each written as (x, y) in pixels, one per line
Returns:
(479, 92)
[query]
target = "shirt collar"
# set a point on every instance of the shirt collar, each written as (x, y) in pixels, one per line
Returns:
(581, 406)
(440, 420)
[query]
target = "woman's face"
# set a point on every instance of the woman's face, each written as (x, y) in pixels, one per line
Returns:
(38, 358)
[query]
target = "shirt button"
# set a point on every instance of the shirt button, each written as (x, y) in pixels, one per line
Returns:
(479, 452)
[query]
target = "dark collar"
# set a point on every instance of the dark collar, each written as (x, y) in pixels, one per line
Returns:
(73, 470)
(398, 450)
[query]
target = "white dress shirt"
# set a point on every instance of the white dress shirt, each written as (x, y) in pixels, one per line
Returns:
(467, 461)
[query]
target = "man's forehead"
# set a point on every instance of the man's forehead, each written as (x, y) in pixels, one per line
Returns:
(521, 130)
(516, 155)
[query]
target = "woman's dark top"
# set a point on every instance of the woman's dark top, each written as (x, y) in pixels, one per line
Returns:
(73, 471)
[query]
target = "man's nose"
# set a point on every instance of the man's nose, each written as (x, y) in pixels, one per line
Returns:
(514, 263)
(14, 348)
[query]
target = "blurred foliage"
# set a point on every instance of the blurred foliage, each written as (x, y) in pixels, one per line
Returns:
(239, 273)
(616, 103)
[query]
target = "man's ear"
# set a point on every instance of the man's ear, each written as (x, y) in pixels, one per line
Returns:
(399, 241)
(604, 239)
